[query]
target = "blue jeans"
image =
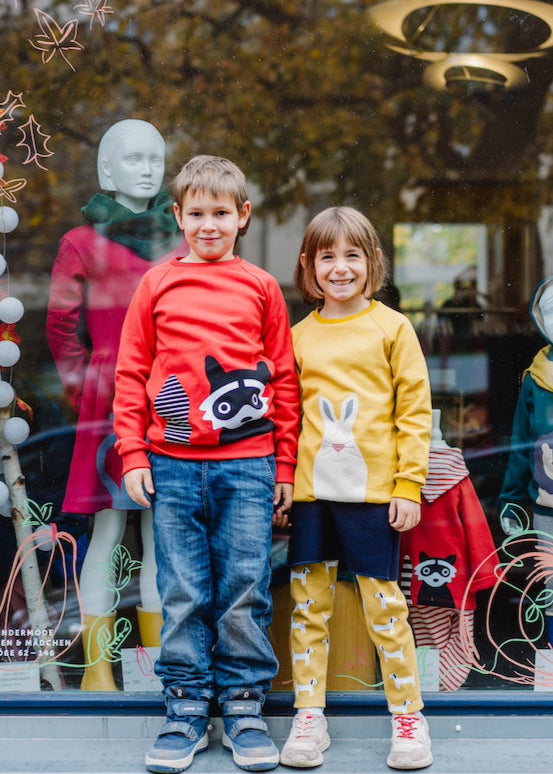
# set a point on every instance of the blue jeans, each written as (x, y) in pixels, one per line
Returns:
(212, 530)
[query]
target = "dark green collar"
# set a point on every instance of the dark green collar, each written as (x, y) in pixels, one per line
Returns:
(149, 234)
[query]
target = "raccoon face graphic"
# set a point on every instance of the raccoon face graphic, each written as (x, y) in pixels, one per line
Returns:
(435, 571)
(236, 404)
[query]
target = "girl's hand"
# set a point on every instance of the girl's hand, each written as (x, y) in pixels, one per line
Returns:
(282, 503)
(139, 483)
(404, 514)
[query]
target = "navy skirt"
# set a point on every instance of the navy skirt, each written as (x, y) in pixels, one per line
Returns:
(357, 534)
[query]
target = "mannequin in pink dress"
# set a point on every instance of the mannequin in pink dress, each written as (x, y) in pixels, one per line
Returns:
(95, 274)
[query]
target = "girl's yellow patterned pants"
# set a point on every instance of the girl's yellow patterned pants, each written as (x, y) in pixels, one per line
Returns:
(386, 615)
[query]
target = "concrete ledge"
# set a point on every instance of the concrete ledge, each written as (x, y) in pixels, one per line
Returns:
(462, 744)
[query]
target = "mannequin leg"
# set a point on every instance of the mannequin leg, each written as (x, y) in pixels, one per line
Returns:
(97, 600)
(149, 612)
(107, 532)
(98, 674)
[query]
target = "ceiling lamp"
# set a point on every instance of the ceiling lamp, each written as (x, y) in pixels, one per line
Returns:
(424, 30)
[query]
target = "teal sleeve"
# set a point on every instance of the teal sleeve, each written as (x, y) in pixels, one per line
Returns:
(519, 466)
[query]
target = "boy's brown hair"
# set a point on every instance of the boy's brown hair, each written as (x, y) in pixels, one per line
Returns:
(214, 175)
(323, 232)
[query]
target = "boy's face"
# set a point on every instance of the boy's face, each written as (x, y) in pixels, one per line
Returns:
(210, 225)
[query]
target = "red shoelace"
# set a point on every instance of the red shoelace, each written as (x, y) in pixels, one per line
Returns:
(405, 725)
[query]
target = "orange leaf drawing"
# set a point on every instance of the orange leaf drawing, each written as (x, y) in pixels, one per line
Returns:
(25, 407)
(55, 39)
(7, 188)
(34, 140)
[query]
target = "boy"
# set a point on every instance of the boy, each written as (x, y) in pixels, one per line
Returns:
(206, 417)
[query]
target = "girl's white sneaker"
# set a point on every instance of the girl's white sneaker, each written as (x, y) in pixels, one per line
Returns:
(307, 741)
(411, 746)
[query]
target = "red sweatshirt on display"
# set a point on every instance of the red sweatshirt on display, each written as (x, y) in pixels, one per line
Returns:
(452, 545)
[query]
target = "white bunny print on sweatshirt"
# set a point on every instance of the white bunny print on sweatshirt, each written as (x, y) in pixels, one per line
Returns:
(339, 470)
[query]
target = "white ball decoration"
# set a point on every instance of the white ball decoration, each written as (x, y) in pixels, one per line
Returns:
(4, 493)
(11, 310)
(9, 220)
(1, 169)
(7, 394)
(9, 353)
(3, 264)
(16, 430)
(43, 538)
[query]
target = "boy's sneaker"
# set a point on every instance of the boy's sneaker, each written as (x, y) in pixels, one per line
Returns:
(182, 736)
(307, 741)
(245, 734)
(410, 742)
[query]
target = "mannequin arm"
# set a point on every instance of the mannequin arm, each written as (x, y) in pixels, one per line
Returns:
(65, 305)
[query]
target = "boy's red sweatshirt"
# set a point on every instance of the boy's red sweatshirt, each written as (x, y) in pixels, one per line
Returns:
(206, 368)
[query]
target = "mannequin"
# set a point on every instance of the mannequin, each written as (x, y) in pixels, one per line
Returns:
(529, 474)
(96, 271)
(451, 546)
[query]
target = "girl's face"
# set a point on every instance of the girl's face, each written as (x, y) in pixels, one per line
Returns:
(341, 273)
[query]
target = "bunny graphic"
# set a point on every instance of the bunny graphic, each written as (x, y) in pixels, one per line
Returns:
(339, 471)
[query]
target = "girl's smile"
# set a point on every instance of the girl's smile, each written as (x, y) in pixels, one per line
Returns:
(341, 273)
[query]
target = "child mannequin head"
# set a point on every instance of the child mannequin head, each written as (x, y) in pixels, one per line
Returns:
(131, 162)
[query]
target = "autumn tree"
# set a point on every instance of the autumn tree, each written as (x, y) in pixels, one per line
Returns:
(302, 93)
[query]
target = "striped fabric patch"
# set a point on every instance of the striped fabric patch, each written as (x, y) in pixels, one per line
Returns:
(173, 404)
(446, 467)
(405, 578)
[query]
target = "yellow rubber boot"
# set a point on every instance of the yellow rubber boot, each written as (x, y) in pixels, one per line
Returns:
(98, 672)
(149, 626)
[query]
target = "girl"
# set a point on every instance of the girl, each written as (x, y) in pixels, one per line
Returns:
(362, 460)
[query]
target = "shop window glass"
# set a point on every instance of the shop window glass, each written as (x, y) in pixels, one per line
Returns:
(307, 98)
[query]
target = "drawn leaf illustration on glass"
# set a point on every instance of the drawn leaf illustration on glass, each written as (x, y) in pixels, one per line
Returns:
(96, 9)
(121, 567)
(34, 139)
(9, 187)
(12, 102)
(144, 662)
(37, 515)
(55, 39)
(110, 643)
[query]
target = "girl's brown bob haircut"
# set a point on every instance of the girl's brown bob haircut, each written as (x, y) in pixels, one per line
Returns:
(214, 175)
(323, 232)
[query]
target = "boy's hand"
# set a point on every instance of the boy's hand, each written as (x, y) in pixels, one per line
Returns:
(404, 514)
(138, 483)
(282, 503)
